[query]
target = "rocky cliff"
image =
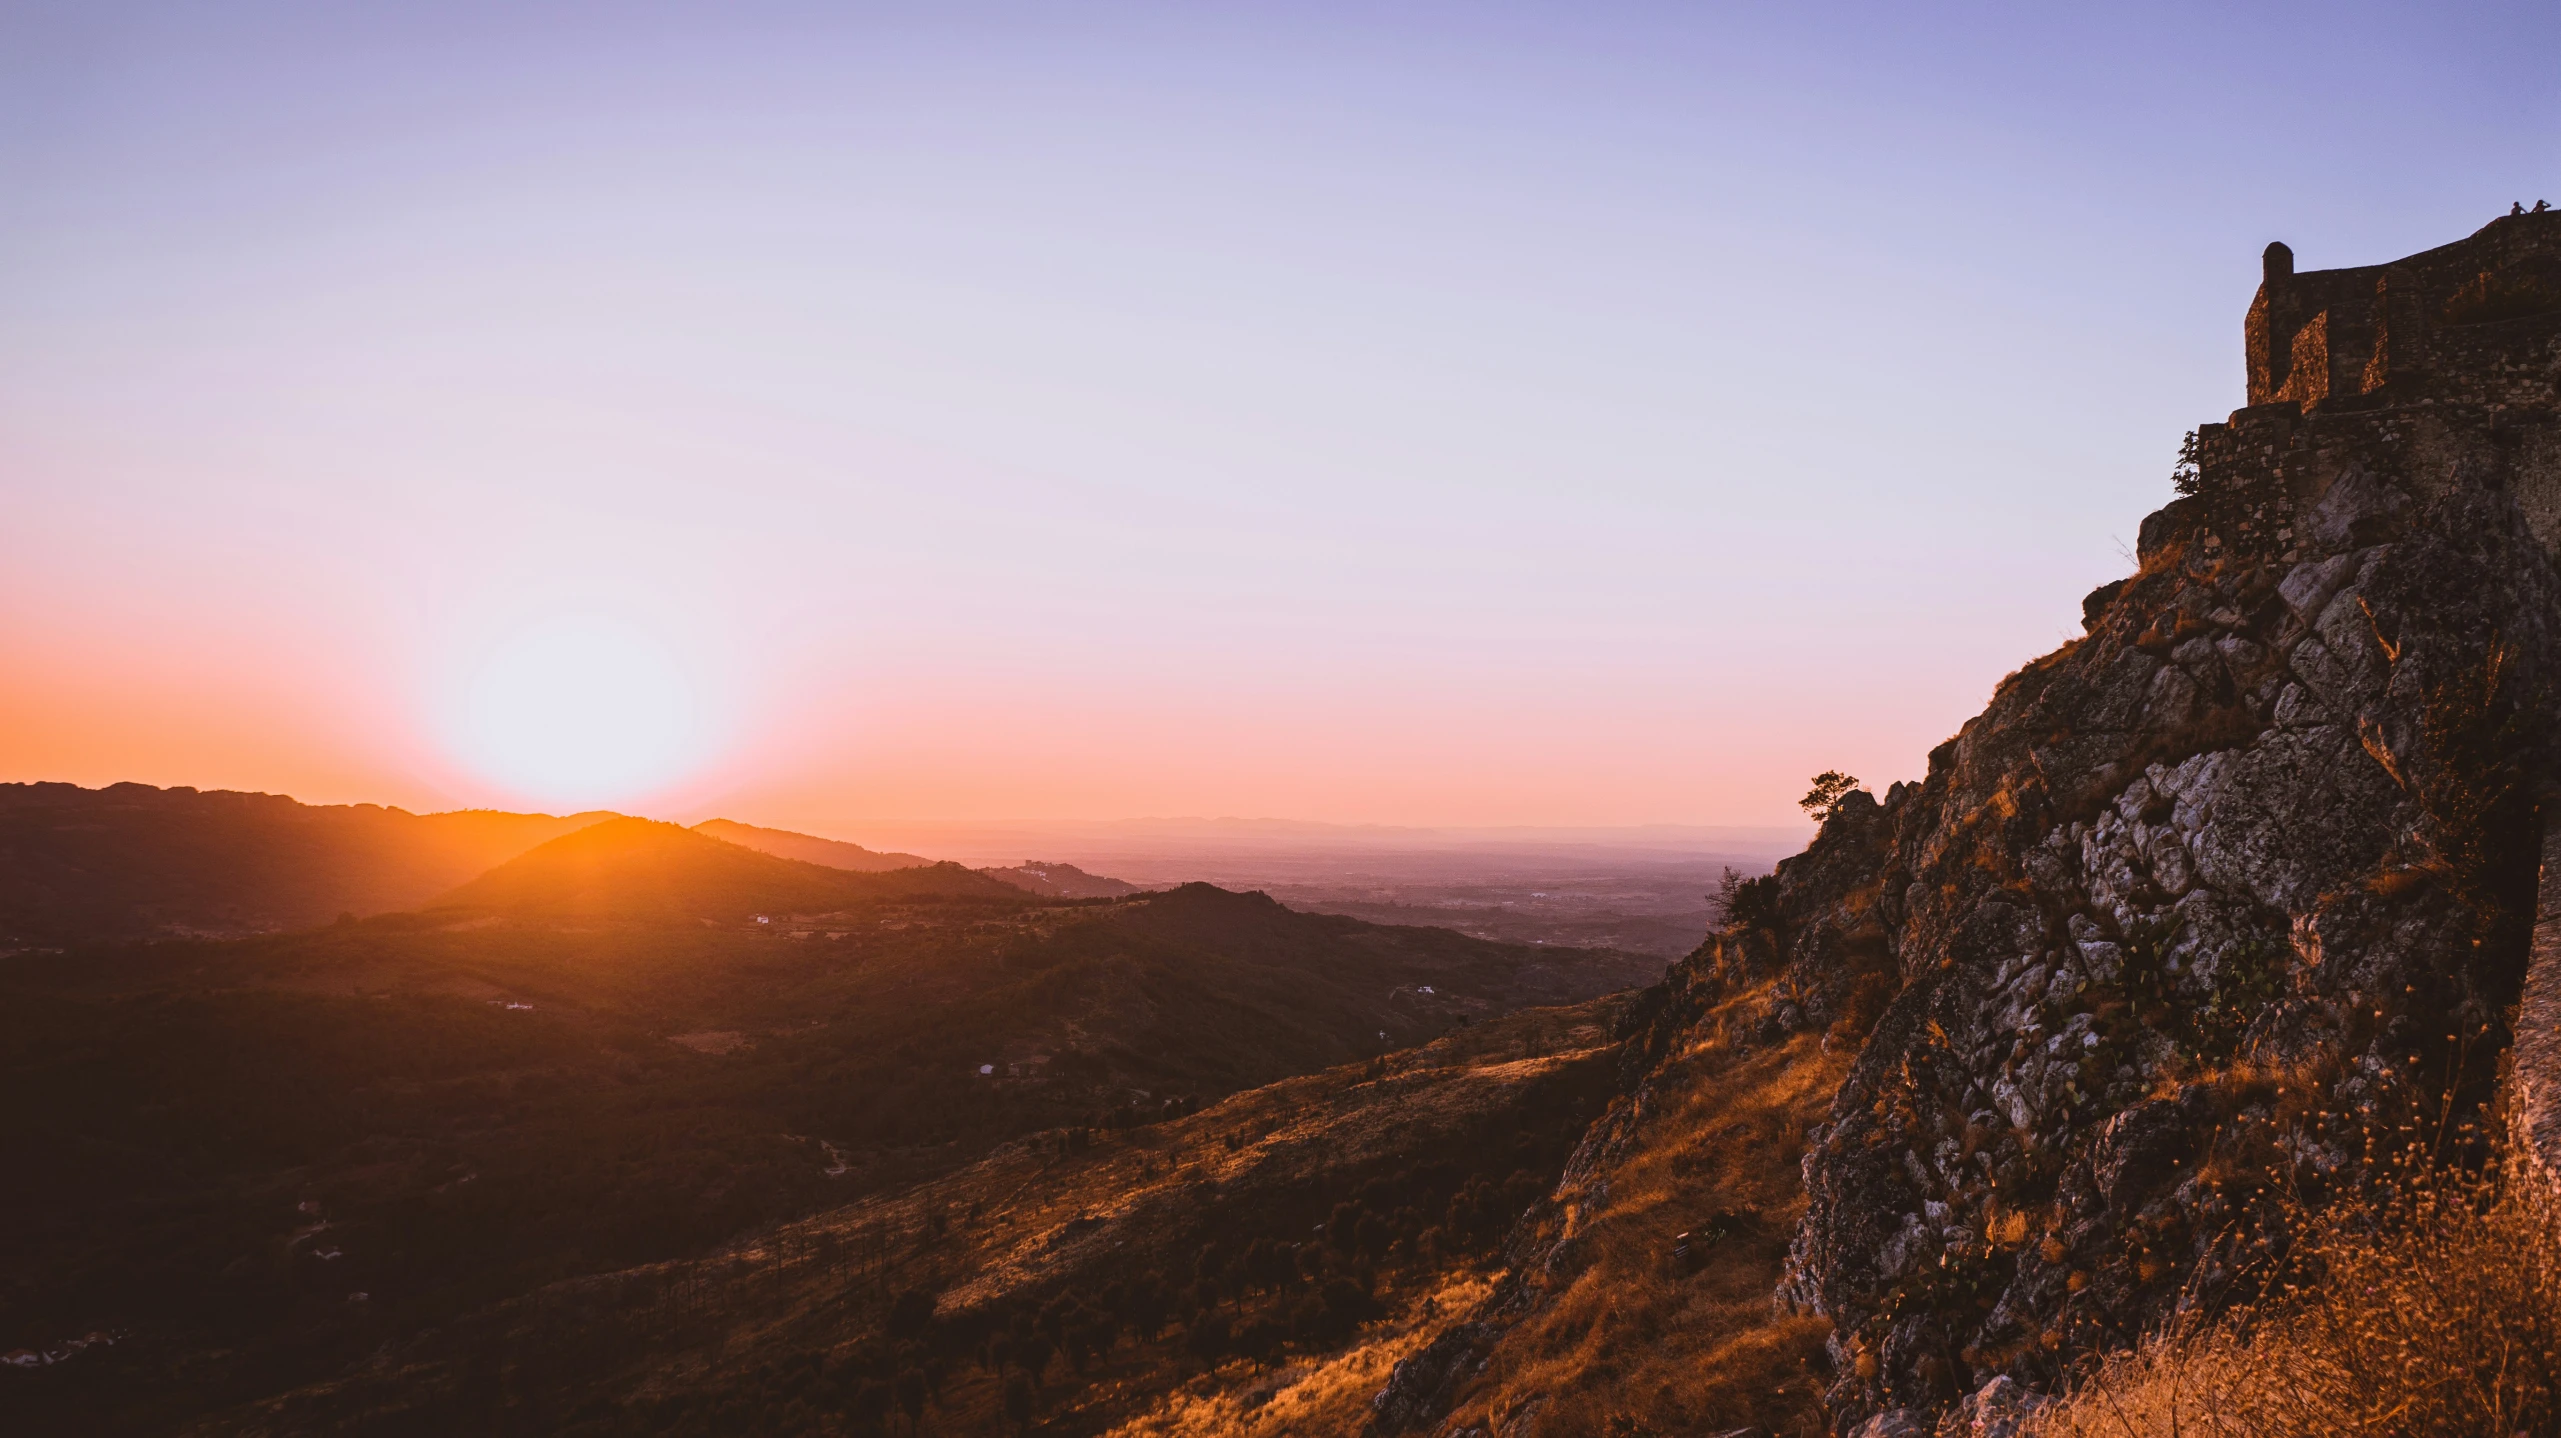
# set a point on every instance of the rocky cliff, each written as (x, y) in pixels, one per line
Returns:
(2212, 904)
(2221, 898)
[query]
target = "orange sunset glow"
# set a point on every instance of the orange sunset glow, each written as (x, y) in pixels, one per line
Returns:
(1164, 463)
(1279, 720)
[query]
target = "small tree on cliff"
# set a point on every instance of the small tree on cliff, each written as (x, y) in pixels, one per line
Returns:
(1830, 788)
(1720, 904)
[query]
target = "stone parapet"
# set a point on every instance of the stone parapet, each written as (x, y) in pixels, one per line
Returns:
(2459, 324)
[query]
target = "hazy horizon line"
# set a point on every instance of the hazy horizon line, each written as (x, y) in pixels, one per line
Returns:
(1227, 823)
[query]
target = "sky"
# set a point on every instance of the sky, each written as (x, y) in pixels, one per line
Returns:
(1575, 414)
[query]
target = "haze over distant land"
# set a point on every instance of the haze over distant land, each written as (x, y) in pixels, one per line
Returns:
(1143, 844)
(131, 861)
(831, 852)
(1642, 888)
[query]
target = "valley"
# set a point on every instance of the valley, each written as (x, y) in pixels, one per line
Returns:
(1645, 890)
(627, 1047)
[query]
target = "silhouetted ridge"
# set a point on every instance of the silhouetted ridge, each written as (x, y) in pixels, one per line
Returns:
(133, 861)
(643, 869)
(808, 848)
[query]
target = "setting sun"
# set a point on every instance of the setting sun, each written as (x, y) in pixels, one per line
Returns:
(579, 710)
(1198, 721)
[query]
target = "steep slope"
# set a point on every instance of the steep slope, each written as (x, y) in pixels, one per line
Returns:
(2221, 898)
(1634, 1298)
(2226, 900)
(1259, 1263)
(808, 848)
(640, 869)
(129, 860)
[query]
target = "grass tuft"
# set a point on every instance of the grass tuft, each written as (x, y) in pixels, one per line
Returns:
(2430, 1304)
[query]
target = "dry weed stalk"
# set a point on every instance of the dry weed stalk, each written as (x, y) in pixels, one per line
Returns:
(2428, 1308)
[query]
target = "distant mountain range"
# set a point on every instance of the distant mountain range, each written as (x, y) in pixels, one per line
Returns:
(834, 853)
(1034, 876)
(130, 861)
(640, 869)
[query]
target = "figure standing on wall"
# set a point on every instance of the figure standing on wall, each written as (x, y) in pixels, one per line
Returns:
(2542, 205)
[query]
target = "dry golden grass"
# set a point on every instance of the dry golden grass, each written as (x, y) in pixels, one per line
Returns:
(2432, 1309)
(1625, 1340)
(1300, 1134)
(1325, 1393)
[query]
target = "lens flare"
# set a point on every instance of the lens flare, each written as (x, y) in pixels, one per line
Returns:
(580, 711)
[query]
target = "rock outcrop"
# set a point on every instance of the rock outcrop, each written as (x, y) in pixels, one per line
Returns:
(2221, 899)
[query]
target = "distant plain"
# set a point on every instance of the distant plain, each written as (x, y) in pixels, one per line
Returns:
(1640, 889)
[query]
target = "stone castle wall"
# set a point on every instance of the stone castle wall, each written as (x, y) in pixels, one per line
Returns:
(2436, 372)
(2442, 369)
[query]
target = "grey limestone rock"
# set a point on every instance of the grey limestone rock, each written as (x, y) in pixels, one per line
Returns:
(2132, 870)
(2307, 588)
(2001, 1408)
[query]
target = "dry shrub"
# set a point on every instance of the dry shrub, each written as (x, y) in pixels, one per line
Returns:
(2429, 1306)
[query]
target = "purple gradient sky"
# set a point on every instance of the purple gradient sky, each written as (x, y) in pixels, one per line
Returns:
(1424, 414)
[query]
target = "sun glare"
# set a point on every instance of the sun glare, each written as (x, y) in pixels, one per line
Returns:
(580, 711)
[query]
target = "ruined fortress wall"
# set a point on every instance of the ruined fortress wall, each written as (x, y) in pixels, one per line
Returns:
(2456, 324)
(2438, 370)
(2440, 367)
(2265, 470)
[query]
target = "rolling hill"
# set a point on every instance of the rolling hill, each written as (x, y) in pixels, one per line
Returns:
(808, 848)
(643, 870)
(1062, 881)
(133, 861)
(1050, 881)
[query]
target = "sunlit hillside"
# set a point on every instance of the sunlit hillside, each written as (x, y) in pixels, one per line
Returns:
(641, 870)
